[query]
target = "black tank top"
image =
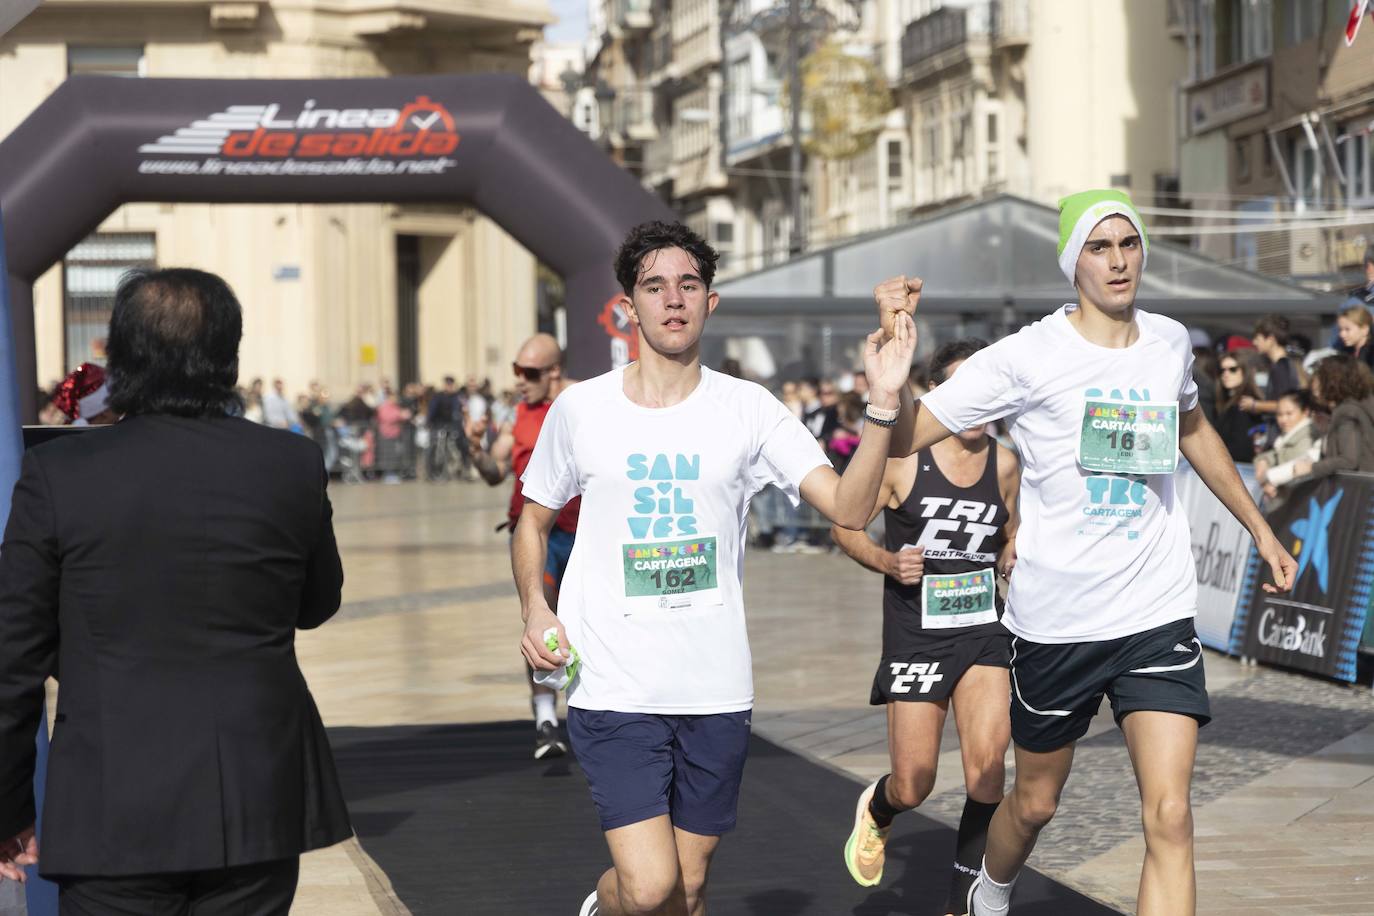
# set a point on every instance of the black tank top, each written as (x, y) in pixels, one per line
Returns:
(962, 530)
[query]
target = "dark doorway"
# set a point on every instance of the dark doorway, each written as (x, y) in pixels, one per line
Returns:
(407, 309)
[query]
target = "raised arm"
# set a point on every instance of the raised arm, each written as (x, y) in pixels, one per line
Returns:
(493, 465)
(916, 428)
(848, 500)
(1205, 451)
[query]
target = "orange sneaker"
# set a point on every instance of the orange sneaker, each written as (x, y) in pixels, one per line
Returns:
(866, 850)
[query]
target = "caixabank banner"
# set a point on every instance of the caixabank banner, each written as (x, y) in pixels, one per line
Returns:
(1328, 526)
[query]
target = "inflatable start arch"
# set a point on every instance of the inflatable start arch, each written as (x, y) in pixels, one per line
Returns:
(490, 141)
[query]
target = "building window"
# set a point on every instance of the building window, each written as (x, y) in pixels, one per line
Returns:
(90, 274)
(105, 60)
(932, 144)
(963, 135)
(895, 164)
(994, 163)
(1207, 40)
(741, 101)
(1302, 19)
(1359, 175)
(1307, 172)
(1242, 146)
(1251, 30)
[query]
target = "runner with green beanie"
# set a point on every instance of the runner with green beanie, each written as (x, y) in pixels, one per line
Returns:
(1100, 401)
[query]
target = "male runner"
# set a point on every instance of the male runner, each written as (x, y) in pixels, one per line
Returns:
(538, 380)
(950, 519)
(1099, 398)
(666, 455)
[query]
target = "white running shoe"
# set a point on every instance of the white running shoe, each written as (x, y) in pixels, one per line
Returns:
(589, 906)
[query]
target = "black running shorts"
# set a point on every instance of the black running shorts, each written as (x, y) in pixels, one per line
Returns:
(931, 674)
(1057, 688)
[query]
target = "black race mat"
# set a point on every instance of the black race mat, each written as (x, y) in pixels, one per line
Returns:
(464, 822)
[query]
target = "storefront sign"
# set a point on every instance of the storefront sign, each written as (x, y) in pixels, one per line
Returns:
(1229, 98)
(1328, 526)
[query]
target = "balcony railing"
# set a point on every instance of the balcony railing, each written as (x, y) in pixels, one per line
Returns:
(946, 28)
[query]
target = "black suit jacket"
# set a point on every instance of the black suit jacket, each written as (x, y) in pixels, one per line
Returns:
(161, 568)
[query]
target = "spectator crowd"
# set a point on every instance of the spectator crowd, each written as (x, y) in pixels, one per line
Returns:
(382, 432)
(1290, 409)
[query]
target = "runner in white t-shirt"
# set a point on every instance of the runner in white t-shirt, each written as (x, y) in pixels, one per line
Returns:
(1099, 400)
(666, 456)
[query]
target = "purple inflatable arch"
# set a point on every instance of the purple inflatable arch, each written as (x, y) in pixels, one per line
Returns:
(490, 141)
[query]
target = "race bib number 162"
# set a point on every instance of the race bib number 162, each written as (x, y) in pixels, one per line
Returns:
(669, 575)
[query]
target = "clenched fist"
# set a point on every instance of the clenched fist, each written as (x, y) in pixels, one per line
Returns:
(900, 294)
(907, 565)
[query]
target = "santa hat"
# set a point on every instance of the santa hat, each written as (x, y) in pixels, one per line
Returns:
(1079, 213)
(83, 394)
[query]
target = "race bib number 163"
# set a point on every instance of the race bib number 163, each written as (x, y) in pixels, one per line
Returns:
(1128, 437)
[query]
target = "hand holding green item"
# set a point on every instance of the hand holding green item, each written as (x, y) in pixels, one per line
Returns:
(560, 677)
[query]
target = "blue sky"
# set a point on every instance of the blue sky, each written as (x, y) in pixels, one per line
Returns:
(572, 20)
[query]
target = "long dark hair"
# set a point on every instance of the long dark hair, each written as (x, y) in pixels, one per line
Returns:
(174, 344)
(1247, 386)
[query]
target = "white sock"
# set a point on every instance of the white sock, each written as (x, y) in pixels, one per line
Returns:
(991, 898)
(545, 709)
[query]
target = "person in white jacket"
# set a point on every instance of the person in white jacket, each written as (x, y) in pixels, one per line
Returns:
(1298, 440)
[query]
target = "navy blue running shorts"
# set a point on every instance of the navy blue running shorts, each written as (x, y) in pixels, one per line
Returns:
(1058, 687)
(641, 765)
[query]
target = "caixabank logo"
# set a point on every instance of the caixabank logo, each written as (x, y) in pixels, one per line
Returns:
(415, 139)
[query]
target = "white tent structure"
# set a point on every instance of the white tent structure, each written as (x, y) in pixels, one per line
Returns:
(988, 268)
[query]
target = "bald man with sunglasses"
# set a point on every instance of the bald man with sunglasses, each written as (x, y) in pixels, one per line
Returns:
(539, 379)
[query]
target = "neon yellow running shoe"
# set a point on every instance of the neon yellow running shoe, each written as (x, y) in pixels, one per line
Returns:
(866, 850)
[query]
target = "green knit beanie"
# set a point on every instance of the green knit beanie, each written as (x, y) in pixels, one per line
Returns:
(1079, 213)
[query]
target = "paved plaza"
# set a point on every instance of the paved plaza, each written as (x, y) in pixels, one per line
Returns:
(1284, 794)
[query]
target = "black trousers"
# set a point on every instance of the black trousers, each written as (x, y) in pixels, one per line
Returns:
(261, 889)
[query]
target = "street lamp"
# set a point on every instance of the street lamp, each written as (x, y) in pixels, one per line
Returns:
(795, 22)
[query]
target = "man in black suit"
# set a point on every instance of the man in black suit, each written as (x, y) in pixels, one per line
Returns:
(159, 569)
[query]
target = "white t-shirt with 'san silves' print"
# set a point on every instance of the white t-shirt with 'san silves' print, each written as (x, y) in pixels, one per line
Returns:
(1100, 554)
(653, 596)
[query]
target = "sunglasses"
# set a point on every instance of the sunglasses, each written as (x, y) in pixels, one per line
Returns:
(1231, 369)
(529, 373)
